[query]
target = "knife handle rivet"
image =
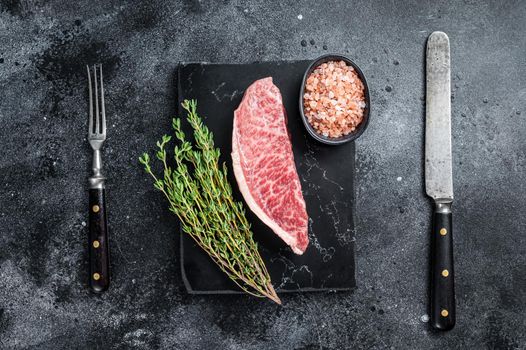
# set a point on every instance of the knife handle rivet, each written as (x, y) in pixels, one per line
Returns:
(445, 273)
(96, 276)
(444, 313)
(95, 208)
(443, 231)
(96, 244)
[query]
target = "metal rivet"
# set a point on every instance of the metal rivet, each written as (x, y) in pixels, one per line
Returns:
(444, 313)
(445, 273)
(95, 208)
(443, 231)
(96, 244)
(96, 276)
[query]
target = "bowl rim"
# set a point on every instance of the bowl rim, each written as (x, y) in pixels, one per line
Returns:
(365, 122)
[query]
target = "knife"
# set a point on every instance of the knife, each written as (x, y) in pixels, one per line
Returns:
(439, 179)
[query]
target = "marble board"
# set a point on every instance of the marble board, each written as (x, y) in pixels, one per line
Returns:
(326, 174)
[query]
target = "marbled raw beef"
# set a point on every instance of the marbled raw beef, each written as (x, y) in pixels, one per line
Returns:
(264, 166)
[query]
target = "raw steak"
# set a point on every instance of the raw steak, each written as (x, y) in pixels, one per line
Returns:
(264, 166)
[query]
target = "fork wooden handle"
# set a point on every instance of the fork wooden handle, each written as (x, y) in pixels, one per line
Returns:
(99, 250)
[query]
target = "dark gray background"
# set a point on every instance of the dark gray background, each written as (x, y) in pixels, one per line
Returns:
(44, 302)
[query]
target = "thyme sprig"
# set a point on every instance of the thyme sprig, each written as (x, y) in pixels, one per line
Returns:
(199, 193)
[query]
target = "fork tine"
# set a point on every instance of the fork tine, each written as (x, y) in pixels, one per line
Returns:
(90, 122)
(103, 109)
(97, 116)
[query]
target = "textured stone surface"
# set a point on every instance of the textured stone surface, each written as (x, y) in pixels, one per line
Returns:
(44, 46)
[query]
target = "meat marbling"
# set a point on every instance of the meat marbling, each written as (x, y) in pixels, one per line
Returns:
(264, 166)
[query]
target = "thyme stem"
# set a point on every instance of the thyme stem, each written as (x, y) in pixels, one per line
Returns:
(199, 194)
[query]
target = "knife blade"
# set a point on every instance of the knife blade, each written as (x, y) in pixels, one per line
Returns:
(439, 179)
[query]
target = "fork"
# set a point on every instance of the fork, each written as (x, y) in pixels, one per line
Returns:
(98, 224)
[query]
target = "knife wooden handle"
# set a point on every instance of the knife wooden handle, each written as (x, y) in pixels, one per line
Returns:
(442, 271)
(99, 250)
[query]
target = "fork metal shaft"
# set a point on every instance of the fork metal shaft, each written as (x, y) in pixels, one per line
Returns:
(97, 180)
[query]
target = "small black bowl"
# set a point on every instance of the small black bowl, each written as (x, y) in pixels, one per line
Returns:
(361, 127)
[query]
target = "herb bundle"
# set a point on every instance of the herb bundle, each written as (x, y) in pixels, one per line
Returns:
(198, 192)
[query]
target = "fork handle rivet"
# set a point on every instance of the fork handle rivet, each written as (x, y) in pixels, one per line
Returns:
(95, 208)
